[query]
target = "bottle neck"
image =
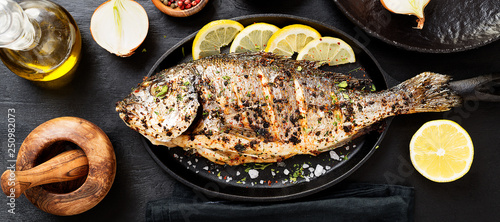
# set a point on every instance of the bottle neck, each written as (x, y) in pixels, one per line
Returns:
(17, 31)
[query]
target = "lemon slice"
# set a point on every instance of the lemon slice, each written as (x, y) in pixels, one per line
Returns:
(329, 50)
(253, 38)
(441, 150)
(213, 36)
(291, 39)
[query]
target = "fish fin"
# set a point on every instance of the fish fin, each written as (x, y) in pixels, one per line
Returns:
(430, 92)
(352, 82)
(269, 58)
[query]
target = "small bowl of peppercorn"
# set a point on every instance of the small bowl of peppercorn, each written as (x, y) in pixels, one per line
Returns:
(180, 8)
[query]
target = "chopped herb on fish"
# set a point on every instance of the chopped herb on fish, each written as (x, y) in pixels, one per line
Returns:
(342, 84)
(162, 92)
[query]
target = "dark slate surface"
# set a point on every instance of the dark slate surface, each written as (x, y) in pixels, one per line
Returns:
(103, 79)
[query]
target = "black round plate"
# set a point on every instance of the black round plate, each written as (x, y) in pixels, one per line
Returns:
(450, 25)
(295, 177)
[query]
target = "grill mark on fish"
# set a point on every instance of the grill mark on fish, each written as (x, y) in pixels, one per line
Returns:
(302, 108)
(268, 98)
(240, 94)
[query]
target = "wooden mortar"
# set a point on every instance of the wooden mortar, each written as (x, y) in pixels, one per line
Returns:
(96, 161)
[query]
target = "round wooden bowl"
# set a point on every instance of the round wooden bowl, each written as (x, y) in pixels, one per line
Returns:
(177, 12)
(100, 158)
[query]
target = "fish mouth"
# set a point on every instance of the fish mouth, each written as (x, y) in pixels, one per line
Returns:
(125, 114)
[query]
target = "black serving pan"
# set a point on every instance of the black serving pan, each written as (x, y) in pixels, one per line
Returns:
(450, 25)
(273, 183)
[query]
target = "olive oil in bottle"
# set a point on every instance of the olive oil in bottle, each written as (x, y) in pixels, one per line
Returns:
(39, 40)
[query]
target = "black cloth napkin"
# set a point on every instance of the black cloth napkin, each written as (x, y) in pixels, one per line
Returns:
(351, 202)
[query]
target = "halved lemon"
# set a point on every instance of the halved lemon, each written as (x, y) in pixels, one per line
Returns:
(253, 38)
(213, 36)
(442, 151)
(329, 50)
(291, 39)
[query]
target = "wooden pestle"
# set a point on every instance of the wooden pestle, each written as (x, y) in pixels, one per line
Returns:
(66, 166)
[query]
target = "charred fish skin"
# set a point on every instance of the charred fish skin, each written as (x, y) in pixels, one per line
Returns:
(258, 107)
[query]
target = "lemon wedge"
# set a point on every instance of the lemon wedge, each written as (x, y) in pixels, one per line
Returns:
(442, 151)
(213, 36)
(329, 50)
(253, 38)
(291, 39)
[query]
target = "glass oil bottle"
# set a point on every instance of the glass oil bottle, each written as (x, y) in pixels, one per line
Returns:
(39, 40)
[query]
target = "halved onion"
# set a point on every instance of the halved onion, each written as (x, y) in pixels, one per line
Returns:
(119, 26)
(408, 7)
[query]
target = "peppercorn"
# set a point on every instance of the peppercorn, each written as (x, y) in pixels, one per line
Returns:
(182, 4)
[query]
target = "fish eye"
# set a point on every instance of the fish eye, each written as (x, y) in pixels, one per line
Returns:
(154, 89)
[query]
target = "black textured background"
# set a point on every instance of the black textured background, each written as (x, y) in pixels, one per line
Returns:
(102, 79)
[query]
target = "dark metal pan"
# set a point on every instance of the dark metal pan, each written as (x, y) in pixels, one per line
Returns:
(450, 25)
(293, 178)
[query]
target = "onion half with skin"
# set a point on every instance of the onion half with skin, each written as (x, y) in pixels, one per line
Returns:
(119, 26)
(408, 7)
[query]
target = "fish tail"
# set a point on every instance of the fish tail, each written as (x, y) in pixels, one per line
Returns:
(429, 92)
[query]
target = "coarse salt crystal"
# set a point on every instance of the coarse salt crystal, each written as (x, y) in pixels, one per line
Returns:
(334, 155)
(319, 170)
(253, 173)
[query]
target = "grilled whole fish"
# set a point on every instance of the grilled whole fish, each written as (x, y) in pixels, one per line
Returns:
(258, 107)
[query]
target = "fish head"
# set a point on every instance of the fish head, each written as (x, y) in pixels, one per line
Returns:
(163, 106)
